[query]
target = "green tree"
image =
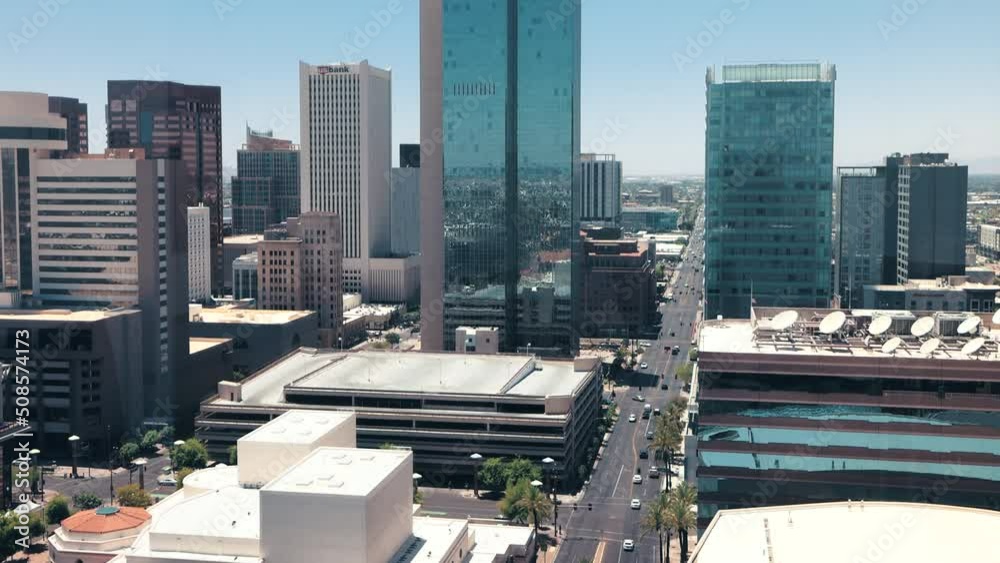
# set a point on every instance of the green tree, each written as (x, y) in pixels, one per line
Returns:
(393, 338)
(57, 510)
(149, 441)
(181, 475)
(233, 454)
(128, 452)
(681, 518)
(654, 521)
(685, 372)
(132, 495)
(167, 434)
(387, 446)
(8, 535)
(693, 354)
(510, 506)
(491, 474)
(191, 453)
(661, 270)
(36, 525)
(535, 504)
(85, 501)
(521, 469)
(666, 439)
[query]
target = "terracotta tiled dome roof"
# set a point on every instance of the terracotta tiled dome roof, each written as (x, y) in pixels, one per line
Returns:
(106, 519)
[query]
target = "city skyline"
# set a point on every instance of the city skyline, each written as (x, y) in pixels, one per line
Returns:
(646, 111)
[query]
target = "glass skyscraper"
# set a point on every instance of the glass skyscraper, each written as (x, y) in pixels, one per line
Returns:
(768, 187)
(510, 135)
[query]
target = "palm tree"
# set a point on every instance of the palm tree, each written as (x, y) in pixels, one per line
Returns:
(679, 516)
(536, 504)
(666, 438)
(655, 520)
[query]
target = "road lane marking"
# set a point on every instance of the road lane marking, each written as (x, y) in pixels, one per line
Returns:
(599, 552)
(620, 471)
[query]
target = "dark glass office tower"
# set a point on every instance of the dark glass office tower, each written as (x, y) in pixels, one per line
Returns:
(77, 134)
(176, 122)
(501, 85)
(266, 186)
(768, 187)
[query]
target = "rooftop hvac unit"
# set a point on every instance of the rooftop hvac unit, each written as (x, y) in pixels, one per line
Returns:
(947, 324)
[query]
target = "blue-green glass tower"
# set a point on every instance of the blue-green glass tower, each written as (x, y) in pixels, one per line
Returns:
(510, 103)
(768, 187)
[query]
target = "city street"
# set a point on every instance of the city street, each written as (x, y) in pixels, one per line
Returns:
(100, 485)
(603, 519)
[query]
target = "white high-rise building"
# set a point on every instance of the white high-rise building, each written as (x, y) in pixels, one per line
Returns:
(199, 254)
(346, 158)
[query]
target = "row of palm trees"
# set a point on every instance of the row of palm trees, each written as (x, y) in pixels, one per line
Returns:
(668, 433)
(670, 512)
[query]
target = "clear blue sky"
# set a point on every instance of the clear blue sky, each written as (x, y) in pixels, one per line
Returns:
(934, 78)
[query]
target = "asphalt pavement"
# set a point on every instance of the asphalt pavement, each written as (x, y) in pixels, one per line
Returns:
(603, 519)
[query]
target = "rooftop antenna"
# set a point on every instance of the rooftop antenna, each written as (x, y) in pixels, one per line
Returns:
(922, 327)
(973, 346)
(880, 325)
(832, 322)
(928, 348)
(969, 325)
(891, 346)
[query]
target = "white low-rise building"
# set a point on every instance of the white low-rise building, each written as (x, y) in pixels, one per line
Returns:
(301, 492)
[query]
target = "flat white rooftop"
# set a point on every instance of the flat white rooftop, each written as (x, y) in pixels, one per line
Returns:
(243, 239)
(199, 516)
(431, 539)
(493, 539)
(298, 427)
(415, 372)
(63, 315)
(339, 471)
(836, 532)
(235, 315)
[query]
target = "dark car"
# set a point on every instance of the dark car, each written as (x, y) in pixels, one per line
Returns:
(643, 454)
(676, 351)
(664, 385)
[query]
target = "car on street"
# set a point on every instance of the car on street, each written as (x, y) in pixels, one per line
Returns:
(656, 412)
(636, 504)
(649, 434)
(639, 398)
(665, 385)
(643, 454)
(654, 473)
(637, 478)
(628, 545)
(676, 350)
(167, 480)
(643, 365)
(631, 418)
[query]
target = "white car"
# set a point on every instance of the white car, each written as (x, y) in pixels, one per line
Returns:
(636, 504)
(631, 418)
(637, 478)
(167, 480)
(643, 365)
(628, 545)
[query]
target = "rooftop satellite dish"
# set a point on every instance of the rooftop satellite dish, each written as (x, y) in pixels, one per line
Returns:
(930, 346)
(996, 318)
(784, 320)
(890, 346)
(973, 346)
(880, 325)
(922, 327)
(832, 322)
(969, 325)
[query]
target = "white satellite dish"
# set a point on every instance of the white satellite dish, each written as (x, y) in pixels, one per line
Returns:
(969, 325)
(784, 320)
(930, 346)
(880, 325)
(922, 327)
(996, 318)
(973, 346)
(890, 346)
(832, 322)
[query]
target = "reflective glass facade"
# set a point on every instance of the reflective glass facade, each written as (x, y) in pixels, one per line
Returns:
(511, 115)
(769, 439)
(768, 187)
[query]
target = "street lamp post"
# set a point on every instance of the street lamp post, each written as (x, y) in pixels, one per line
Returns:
(173, 452)
(549, 464)
(416, 477)
(476, 458)
(37, 486)
(141, 463)
(74, 442)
